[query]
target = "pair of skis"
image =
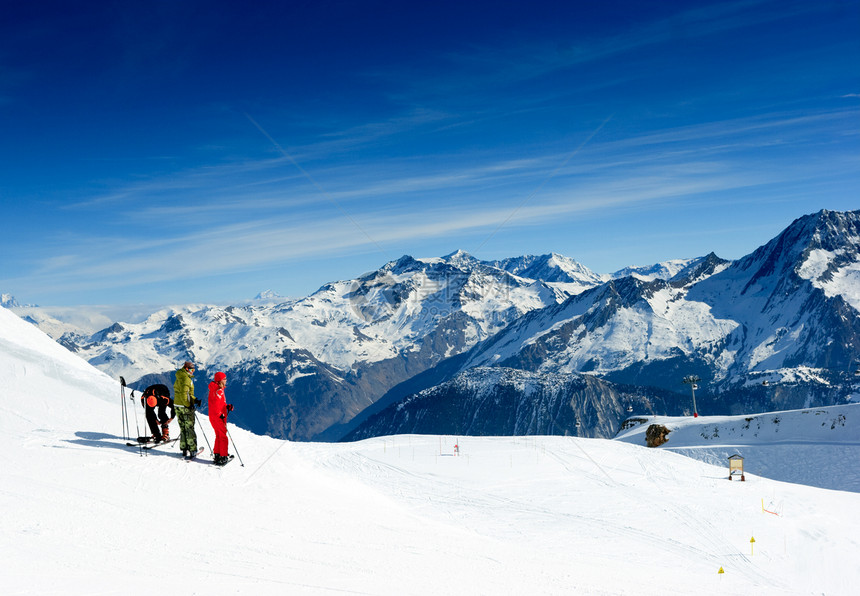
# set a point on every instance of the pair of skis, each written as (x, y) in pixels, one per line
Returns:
(144, 444)
(147, 445)
(195, 454)
(188, 458)
(225, 461)
(210, 462)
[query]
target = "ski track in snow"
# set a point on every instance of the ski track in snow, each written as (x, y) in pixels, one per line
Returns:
(707, 543)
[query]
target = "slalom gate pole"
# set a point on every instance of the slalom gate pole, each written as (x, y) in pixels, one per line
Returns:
(201, 431)
(232, 442)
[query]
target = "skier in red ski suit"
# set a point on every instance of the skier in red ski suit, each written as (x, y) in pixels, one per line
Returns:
(218, 409)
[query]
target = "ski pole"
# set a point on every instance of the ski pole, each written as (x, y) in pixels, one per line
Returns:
(137, 425)
(232, 442)
(125, 432)
(136, 422)
(201, 431)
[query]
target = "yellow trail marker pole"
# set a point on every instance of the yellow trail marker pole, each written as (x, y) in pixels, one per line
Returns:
(721, 572)
(752, 545)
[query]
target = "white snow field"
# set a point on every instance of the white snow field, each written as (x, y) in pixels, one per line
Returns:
(814, 446)
(84, 514)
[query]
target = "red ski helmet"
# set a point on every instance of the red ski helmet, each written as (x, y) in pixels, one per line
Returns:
(219, 376)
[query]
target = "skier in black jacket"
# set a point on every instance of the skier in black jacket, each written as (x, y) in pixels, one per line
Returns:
(158, 396)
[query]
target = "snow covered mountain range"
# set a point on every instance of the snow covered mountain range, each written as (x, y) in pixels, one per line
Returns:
(297, 368)
(777, 329)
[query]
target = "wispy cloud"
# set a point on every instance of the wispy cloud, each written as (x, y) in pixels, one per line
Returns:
(258, 243)
(274, 185)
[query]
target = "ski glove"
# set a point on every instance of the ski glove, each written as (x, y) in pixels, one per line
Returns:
(229, 407)
(197, 403)
(223, 417)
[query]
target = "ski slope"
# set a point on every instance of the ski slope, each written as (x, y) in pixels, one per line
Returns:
(813, 446)
(84, 514)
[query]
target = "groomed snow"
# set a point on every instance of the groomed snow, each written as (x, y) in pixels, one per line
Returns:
(84, 514)
(814, 446)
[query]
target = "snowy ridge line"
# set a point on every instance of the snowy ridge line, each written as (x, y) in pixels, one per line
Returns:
(669, 447)
(801, 425)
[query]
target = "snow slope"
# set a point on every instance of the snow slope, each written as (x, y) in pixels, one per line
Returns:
(814, 446)
(85, 514)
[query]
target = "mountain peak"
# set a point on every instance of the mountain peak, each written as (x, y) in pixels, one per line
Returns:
(699, 269)
(268, 295)
(811, 246)
(460, 257)
(8, 301)
(551, 267)
(663, 270)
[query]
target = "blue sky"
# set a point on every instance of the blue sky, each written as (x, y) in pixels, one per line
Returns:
(173, 152)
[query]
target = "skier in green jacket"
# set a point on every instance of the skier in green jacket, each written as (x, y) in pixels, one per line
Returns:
(183, 400)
